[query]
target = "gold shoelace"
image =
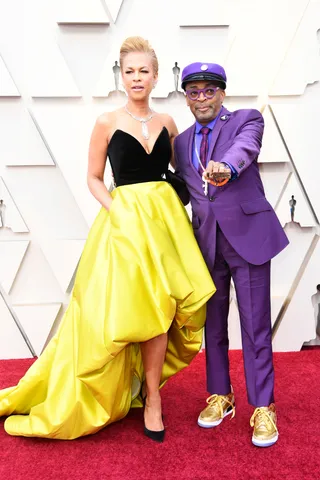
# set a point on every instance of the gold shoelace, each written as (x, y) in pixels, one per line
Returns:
(261, 411)
(216, 401)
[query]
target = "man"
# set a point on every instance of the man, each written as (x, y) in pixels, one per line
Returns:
(238, 233)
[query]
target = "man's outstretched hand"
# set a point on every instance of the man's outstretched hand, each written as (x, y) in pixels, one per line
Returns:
(217, 171)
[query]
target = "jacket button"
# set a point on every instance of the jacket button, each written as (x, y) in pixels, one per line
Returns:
(212, 199)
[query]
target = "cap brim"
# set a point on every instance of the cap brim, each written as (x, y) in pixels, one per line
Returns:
(203, 76)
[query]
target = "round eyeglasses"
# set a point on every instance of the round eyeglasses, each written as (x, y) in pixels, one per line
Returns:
(208, 92)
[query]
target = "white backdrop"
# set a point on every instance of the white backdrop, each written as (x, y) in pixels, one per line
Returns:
(56, 77)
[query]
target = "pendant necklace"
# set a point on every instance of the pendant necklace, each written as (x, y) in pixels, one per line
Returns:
(144, 126)
(205, 182)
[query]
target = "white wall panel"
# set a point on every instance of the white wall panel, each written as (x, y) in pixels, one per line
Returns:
(81, 12)
(11, 257)
(21, 142)
(275, 178)
(298, 123)
(7, 85)
(209, 14)
(10, 215)
(48, 74)
(36, 321)
(67, 129)
(63, 257)
(286, 265)
(113, 7)
(298, 324)
(263, 33)
(303, 214)
(301, 63)
(273, 148)
(12, 344)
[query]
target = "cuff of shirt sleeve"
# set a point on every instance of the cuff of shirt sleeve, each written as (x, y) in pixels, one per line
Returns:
(234, 173)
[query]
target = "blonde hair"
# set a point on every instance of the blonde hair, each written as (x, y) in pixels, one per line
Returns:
(138, 44)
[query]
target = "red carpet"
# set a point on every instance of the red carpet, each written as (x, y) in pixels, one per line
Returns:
(120, 451)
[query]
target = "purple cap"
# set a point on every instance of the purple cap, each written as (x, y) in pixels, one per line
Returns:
(203, 71)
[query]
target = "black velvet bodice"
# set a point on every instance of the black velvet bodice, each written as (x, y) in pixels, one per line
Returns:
(131, 163)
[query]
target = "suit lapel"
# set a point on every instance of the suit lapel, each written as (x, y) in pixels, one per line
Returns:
(221, 121)
(190, 145)
(188, 142)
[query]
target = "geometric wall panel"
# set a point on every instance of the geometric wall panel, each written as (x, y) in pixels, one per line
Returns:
(276, 305)
(40, 316)
(67, 131)
(297, 123)
(255, 54)
(166, 79)
(273, 149)
(285, 266)
(81, 12)
(7, 86)
(49, 75)
(47, 203)
(274, 178)
(11, 256)
(35, 283)
(217, 14)
(301, 65)
(10, 216)
(303, 214)
(12, 344)
(63, 257)
(298, 325)
(21, 142)
(114, 8)
(107, 82)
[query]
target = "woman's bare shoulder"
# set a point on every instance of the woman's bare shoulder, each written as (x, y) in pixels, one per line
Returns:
(169, 123)
(108, 118)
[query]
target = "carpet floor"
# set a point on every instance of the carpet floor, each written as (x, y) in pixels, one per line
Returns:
(120, 451)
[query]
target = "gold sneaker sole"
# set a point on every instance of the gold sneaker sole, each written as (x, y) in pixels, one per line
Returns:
(204, 424)
(264, 443)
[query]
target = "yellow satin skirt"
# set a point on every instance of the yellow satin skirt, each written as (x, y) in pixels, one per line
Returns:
(141, 274)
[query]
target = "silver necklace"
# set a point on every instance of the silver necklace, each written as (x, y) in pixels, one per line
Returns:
(205, 182)
(144, 126)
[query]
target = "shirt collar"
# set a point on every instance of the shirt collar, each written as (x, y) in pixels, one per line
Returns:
(210, 125)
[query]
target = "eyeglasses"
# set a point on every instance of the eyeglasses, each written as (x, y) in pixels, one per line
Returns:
(208, 92)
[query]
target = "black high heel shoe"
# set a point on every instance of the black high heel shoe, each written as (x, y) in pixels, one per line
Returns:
(157, 436)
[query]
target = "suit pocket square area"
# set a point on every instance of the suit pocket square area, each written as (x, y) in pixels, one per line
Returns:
(256, 206)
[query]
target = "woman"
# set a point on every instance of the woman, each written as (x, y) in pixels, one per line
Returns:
(138, 304)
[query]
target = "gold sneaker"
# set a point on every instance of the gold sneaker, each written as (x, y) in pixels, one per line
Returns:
(264, 423)
(219, 406)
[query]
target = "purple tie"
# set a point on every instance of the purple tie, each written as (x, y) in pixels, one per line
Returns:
(204, 149)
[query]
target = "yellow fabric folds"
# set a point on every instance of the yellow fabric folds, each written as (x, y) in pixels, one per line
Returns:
(141, 274)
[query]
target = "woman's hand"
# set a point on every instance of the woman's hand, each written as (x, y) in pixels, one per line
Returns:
(108, 204)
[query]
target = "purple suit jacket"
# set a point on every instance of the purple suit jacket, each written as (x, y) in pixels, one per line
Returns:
(240, 207)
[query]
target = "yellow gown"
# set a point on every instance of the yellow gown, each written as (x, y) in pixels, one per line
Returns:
(141, 274)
